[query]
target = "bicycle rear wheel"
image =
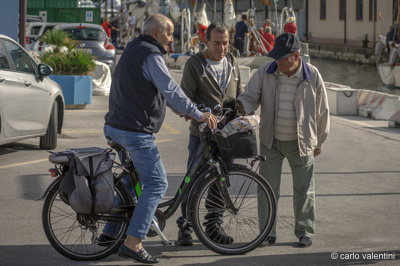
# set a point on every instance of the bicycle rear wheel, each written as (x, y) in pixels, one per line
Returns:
(75, 236)
(248, 226)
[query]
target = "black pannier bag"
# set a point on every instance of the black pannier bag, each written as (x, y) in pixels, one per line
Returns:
(88, 184)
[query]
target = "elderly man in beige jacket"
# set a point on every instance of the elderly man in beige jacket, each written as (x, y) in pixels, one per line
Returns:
(294, 125)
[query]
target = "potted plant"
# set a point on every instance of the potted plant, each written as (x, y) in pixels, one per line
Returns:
(71, 67)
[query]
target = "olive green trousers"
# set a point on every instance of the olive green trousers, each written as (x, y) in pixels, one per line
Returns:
(303, 184)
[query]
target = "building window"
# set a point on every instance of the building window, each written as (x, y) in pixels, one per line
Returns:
(372, 10)
(323, 10)
(359, 9)
(342, 9)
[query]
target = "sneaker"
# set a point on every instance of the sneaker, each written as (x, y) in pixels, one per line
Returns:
(304, 242)
(218, 235)
(184, 237)
(104, 240)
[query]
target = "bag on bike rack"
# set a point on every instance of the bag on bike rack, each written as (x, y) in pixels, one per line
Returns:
(89, 183)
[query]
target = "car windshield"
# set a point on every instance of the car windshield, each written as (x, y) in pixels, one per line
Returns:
(86, 34)
(47, 28)
(35, 30)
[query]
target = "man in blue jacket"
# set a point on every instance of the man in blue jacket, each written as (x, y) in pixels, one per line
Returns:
(140, 90)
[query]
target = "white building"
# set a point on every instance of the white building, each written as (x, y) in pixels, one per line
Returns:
(349, 21)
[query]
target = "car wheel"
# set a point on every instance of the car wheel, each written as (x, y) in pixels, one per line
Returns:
(49, 141)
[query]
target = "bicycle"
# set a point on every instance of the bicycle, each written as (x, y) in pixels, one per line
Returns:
(236, 189)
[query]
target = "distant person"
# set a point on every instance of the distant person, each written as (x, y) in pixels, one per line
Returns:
(106, 26)
(201, 33)
(268, 39)
(115, 31)
(290, 26)
(269, 23)
(131, 25)
(392, 38)
(294, 125)
(241, 30)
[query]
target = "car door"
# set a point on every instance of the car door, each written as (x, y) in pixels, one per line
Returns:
(26, 100)
(8, 86)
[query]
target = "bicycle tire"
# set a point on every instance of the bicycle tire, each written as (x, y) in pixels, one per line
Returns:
(244, 226)
(70, 237)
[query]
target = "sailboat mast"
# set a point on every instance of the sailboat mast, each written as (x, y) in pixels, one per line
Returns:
(398, 12)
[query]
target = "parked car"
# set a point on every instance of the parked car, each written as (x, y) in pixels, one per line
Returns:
(35, 29)
(92, 39)
(31, 104)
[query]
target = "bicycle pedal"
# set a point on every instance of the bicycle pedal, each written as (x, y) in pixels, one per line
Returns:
(168, 243)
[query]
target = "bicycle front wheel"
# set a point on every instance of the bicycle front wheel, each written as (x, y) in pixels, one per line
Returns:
(76, 236)
(238, 230)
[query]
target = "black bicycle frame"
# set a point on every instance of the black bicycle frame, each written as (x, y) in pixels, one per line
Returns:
(203, 161)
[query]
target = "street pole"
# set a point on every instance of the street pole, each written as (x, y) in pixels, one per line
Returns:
(307, 33)
(374, 21)
(223, 10)
(345, 21)
(105, 7)
(22, 22)
(112, 8)
(215, 11)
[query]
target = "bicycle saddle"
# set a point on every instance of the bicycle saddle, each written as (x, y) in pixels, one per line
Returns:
(116, 146)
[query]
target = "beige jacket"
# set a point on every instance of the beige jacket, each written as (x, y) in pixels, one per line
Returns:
(311, 104)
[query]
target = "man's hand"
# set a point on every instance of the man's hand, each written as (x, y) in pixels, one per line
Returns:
(210, 119)
(317, 152)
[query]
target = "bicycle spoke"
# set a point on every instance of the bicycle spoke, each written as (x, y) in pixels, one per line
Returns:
(240, 227)
(73, 235)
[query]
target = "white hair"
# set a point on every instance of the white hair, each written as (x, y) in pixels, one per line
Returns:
(156, 22)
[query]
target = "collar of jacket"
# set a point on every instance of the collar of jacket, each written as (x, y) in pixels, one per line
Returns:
(200, 57)
(203, 60)
(306, 69)
(149, 39)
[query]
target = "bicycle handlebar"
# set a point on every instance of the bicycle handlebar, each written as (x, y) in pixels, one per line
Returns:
(220, 112)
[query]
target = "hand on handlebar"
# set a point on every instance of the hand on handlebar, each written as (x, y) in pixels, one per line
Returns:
(210, 119)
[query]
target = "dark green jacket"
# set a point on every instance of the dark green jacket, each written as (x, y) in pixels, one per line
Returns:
(199, 85)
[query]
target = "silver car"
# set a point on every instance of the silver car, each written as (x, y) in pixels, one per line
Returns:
(92, 39)
(31, 104)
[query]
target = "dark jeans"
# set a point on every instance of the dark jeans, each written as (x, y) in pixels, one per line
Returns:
(239, 44)
(214, 203)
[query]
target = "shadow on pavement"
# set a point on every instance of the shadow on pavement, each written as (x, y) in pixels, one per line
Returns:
(15, 146)
(32, 187)
(322, 258)
(46, 255)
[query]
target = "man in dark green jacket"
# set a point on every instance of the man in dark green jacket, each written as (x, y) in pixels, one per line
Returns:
(209, 78)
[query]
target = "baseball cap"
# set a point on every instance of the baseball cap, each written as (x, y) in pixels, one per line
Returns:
(285, 44)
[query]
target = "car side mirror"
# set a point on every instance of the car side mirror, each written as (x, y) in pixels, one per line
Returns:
(44, 70)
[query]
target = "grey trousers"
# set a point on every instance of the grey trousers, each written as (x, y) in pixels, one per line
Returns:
(303, 184)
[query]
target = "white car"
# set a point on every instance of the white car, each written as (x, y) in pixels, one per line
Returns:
(31, 104)
(36, 29)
